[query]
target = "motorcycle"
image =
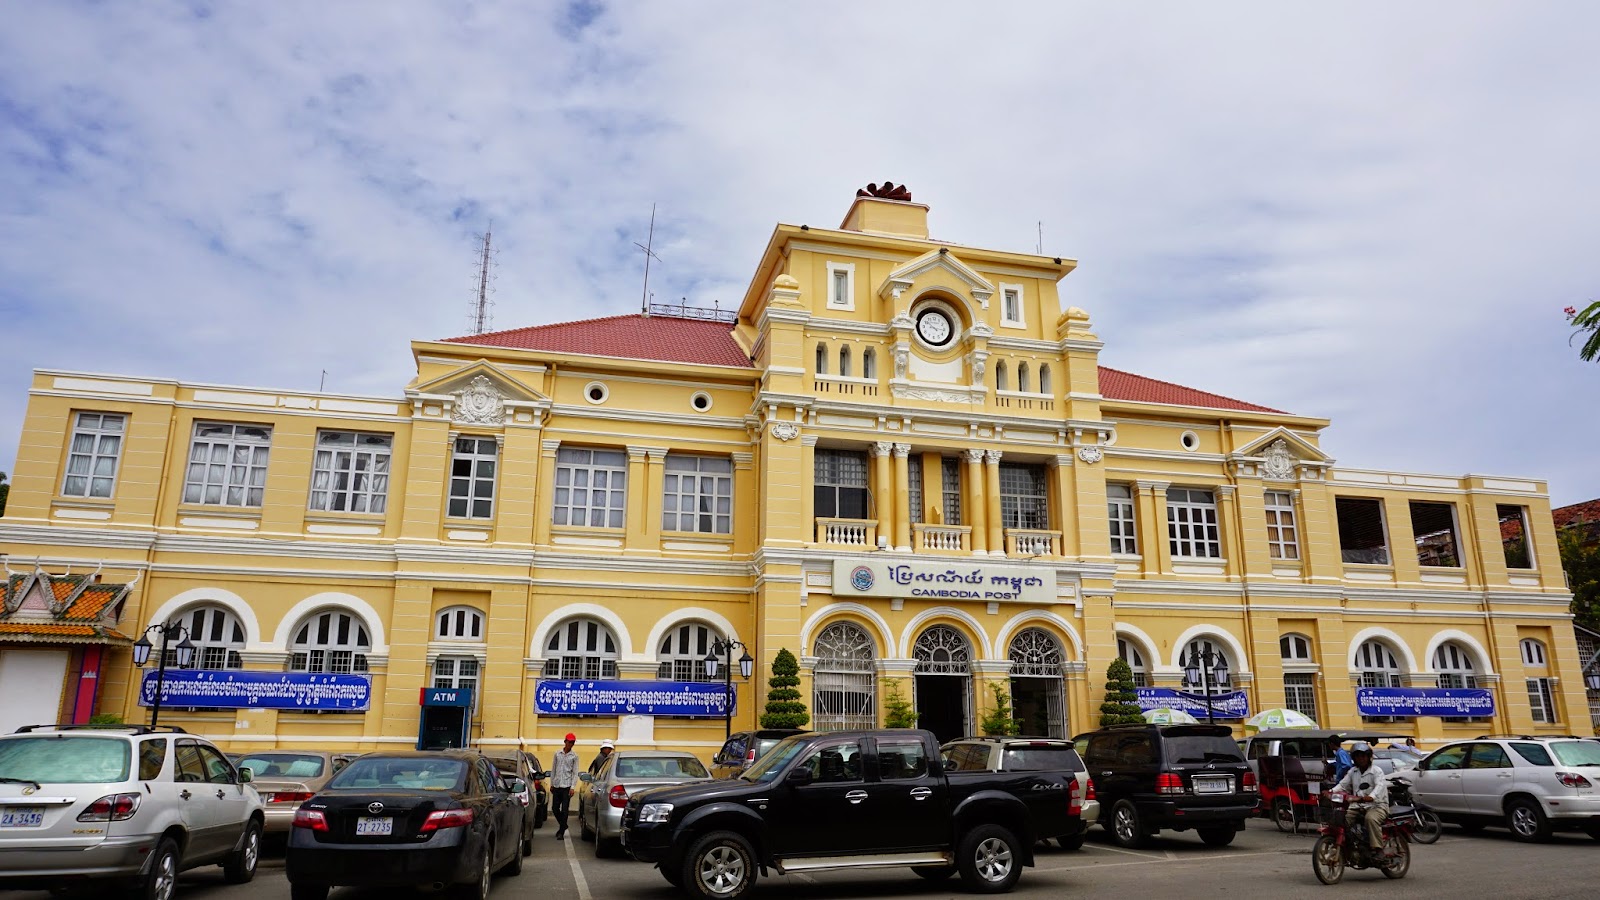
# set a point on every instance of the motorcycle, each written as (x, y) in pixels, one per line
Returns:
(1340, 846)
(1428, 824)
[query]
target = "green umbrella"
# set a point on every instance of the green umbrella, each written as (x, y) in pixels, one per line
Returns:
(1279, 718)
(1166, 715)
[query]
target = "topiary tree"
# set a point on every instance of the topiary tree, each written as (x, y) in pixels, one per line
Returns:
(997, 719)
(1122, 700)
(784, 709)
(897, 711)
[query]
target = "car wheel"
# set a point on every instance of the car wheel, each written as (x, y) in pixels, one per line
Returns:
(527, 843)
(514, 866)
(989, 860)
(1074, 842)
(304, 891)
(720, 866)
(1217, 837)
(1126, 829)
(1527, 821)
(241, 864)
(934, 873)
(478, 888)
(584, 831)
(159, 882)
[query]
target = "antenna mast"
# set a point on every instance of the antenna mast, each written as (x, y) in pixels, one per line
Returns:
(482, 316)
(649, 254)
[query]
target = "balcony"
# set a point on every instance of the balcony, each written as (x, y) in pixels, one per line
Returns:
(848, 532)
(1032, 542)
(941, 538)
(844, 385)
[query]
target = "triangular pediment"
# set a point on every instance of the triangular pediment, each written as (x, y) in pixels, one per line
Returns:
(1301, 448)
(459, 379)
(482, 393)
(940, 261)
(1280, 454)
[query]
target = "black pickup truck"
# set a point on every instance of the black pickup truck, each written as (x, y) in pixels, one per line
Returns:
(856, 799)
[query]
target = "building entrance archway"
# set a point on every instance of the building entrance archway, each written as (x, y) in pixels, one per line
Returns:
(944, 682)
(1038, 695)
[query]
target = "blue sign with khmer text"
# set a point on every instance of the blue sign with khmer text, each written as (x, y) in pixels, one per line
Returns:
(628, 698)
(233, 688)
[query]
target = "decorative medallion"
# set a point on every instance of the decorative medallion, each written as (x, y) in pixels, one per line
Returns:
(785, 431)
(861, 578)
(1278, 462)
(1091, 455)
(480, 403)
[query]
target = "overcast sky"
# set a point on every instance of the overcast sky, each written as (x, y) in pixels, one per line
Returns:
(1374, 214)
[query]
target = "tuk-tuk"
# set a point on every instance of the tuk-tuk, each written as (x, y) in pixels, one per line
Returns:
(1295, 765)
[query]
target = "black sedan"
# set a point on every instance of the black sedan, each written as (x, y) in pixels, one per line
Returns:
(390, 819)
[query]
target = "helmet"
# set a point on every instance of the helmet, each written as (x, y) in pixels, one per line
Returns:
(1360, 747)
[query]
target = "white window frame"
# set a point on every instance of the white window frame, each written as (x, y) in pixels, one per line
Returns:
(248, 479)
(848, 302)
(1453, 666)
(1020, 320)
(689, 498)
(682, 654)
(1283, 532)
(1300, 692)
(950, 494)
(459, 623)
(343, 650)
(1542, 700)
(581, 649)
(914, 491)
(93, 427)
(1527, 537)
(614, 511)
(353, 475)
(1294, 641)
(217, 635)
(463, 488)
(1130, 653)
(1199, 517)
(1120, 516)
(1534, 655)
(1026, 501)
(448, 674)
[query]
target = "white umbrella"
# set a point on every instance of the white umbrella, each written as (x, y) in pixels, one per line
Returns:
(1166, 715)
(1279, 718)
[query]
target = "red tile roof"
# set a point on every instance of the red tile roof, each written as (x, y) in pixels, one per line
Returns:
(44, 630)
(702, 342)
(89, 617)
(1577, 514)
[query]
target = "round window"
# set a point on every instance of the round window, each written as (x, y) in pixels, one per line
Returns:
(595, 392)
(700, 402)
(1190, 441)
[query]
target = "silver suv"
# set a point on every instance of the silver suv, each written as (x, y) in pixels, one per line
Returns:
(1531, 785)
(93, 807)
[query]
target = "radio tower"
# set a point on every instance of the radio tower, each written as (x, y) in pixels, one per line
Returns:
(482, 314)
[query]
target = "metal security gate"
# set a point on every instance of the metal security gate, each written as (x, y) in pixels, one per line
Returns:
(844, 681)
(1038, 694)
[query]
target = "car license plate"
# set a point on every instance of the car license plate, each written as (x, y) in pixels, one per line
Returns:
(1213, 785)
(22, 817)
(370, 825)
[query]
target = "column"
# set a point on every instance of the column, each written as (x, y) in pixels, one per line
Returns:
(519, 497)
(991, 505)
(1152, 524)
(1063, 516)
(655, 487)
(902, 498)
(746, 503)
(808, 495)
(882, 488)
(1228, 522)
(973, 485)
(638, 483)
(547, 490)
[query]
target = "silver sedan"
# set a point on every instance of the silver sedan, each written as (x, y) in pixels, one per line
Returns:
(602, 796)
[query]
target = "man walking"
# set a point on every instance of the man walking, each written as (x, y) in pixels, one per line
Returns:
(563, 776)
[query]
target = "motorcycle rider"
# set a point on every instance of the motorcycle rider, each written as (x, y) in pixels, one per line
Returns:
(1369, 795)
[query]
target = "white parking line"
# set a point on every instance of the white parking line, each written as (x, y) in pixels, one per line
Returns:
(1119, 850)
(577, 872)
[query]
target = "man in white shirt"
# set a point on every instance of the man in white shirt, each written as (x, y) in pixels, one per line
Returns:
(1369, 794)
(563, 777)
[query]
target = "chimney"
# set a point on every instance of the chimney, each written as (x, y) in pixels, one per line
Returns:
(887, 209)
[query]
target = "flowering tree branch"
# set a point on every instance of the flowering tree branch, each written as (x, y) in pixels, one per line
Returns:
(1586, 320)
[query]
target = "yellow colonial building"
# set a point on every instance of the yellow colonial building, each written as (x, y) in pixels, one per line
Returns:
(899, 459)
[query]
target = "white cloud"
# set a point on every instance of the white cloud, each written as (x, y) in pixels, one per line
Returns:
(1374, 214)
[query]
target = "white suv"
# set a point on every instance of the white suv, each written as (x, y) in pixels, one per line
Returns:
(81, 806)
(1532, 785)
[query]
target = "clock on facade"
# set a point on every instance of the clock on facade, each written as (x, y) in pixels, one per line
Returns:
(934, 326)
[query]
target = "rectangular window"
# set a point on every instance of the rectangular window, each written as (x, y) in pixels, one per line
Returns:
(227, 464)
(1300, 693)
(950, 482)
(1542, 699)
(1282, 539)
(592, 487)
(840, 490)
(1434, 525)
(472, 474)
(1514, 536)
(698, 495)
(1024, 497)
(1119, 510)
(1192, 524)
(350, 472)
(1361, 532)
(92, 458)
(840, 278)
(1010, 304)
(914, 486)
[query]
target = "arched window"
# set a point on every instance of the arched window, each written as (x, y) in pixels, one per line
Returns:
(1130, 654)
(460, 623)
(217, 636)
(844, 361)
(1035, 651)
(1038, 696)
(1218, 655)
(1044, 380)
(581, 649)
(942, 650)
(1022, 377)
(331, 641)
(1454, 666)
(844, 679)
(1002, 382)
(1533, 654)
(822, 359)
(683, 652)
(869, 363)
(1377, 667)
(1294, 648)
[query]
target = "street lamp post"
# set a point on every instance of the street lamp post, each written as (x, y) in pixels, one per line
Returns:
(1206, 668)
(746, 665)
(141, 655)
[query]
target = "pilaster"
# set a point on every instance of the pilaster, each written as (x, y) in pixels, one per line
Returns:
(883, 488)
(975, 507)
(546, 476)
(991, 506)
(902, 498)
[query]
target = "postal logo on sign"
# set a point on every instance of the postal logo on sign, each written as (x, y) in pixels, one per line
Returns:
(861, 578)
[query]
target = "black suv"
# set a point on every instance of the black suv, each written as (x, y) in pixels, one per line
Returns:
(1173, 777)
(745, 747)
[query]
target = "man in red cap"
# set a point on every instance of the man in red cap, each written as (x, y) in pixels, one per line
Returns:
(563, 777)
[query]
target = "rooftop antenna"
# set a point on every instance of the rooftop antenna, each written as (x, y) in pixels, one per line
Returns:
(649, 254)
(482, 316)
(1039, 248)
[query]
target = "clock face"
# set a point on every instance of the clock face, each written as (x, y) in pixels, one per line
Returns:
(934, 327)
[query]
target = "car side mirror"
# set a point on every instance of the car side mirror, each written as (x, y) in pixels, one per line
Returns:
(516, 785)
(246, 776)
(585, 777)
(799, 776)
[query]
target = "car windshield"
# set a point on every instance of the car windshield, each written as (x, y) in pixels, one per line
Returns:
(1201, 748)
(767, 767)
(660, 767)
(407, 772)
(765, 744)
(1040, 757)
(1570, 753)
(282, 765)
(65, 760)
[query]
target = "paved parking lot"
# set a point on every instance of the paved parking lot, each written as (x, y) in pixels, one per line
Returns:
(1261, 863)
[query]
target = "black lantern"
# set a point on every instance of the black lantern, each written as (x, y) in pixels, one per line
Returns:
(142, 651)
(746, 666)
(1204, 669)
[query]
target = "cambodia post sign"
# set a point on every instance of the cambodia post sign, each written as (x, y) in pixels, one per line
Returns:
(1447, 703)
(1232, 705)
(628, 698)
(943, 581)
(238, 689)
